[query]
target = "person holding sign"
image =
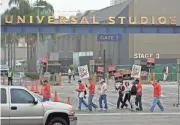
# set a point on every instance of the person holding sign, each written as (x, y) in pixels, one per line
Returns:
(91, 88)
(121, 89)
(81, 94)
(157, 95)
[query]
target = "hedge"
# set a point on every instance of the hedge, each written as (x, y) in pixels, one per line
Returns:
(32, 75)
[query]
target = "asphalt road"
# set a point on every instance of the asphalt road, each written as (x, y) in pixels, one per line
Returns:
(171, 115)
(129, 119)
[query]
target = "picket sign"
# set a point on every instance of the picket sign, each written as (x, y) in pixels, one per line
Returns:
(136, 71)
(83, 72)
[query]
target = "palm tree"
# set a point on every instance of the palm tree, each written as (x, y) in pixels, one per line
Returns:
(12, 38)
(22, 8)
(3, 45)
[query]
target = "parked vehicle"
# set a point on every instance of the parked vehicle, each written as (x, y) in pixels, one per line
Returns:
(20, 106)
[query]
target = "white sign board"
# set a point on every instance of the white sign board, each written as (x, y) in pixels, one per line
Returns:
(83, 72)
(136, 71)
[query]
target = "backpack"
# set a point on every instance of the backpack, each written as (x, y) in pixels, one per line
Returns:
(133, 90)
(85, 92)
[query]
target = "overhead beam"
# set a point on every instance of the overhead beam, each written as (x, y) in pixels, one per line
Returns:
(90, 28)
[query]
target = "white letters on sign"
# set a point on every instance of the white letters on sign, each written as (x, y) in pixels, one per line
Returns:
(83, 72)
(145, 55)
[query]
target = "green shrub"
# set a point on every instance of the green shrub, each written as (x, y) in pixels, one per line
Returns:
(32, 75)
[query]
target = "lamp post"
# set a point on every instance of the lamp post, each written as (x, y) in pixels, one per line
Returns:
(38, 40)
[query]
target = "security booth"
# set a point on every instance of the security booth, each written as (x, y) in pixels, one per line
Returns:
(111, 70)
(99, 72)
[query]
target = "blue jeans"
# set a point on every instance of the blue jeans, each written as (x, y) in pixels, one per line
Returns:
(103, 98)
(158, 102)
(81, 100)
(45, 99)
(90, 103)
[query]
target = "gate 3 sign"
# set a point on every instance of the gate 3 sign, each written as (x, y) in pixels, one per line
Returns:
(108, 37)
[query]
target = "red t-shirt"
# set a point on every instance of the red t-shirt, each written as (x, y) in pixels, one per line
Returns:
(92, 88)
(157, 90)
(81, 87)
(47, 93)
(139, 87)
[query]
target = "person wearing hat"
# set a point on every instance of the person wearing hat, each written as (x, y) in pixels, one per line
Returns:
(81, 93)
(91, 88)
(103, 95)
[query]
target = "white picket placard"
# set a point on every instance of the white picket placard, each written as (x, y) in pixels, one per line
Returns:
(136, 71)
(83, 72)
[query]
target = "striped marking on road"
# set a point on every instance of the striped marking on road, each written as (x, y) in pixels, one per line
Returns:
(117, 114)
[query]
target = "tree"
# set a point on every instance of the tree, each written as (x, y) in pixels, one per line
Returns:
(10, 38)
(23, 8)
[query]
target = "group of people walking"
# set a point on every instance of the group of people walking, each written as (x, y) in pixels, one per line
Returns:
(91, 87)
(129, 95)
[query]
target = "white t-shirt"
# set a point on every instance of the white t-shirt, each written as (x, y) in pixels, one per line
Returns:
(104, 89)
(81, 94)
(69, 72)
(127, 89)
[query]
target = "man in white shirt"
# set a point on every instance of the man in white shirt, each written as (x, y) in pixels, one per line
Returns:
(69, 75)
(103, 95)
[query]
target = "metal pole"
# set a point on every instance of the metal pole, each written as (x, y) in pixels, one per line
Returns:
(104, 54)
(178, 93)
(37, 47)
(11, 55)
(5, 50)
(178, 81)
(8, 54)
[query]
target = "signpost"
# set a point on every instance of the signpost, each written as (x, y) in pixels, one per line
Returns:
(108, 37)
(178, 82)
(44, 59)
(150, 62)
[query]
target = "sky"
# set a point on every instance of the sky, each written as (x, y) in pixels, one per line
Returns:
(68, 5)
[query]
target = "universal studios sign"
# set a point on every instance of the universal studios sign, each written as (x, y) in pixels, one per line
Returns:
(90, 20)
